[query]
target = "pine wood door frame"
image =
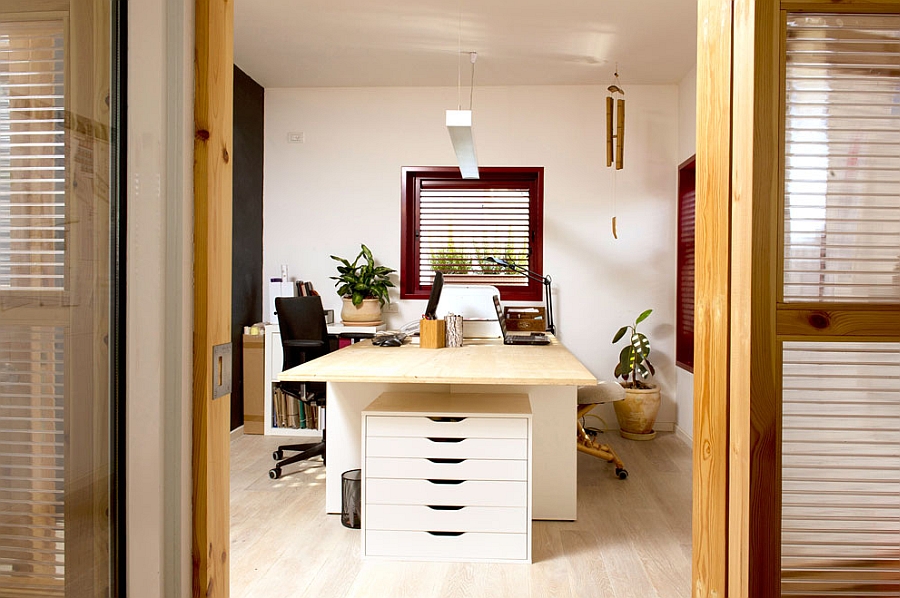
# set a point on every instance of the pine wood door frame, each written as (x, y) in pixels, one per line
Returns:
(213, 99)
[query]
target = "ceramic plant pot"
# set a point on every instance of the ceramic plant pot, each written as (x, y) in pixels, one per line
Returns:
(369, 312)
(637, 413)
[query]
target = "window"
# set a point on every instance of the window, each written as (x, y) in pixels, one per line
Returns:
(684, 335)
(453, 225)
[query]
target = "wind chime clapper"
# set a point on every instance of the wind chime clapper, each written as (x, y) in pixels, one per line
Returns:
(617, 106)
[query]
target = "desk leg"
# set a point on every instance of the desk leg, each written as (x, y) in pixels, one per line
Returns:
(554, 460)
(346, 401)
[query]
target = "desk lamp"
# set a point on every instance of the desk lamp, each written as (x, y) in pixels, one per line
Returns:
(531, 275)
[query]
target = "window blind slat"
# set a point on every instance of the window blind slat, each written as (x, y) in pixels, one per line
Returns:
(840, 467)
(32, 152)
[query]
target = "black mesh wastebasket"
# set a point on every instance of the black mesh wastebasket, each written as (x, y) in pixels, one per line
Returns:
(350, 499)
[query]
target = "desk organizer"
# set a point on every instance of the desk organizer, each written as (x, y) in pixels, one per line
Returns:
(447, 477)
(431, 334)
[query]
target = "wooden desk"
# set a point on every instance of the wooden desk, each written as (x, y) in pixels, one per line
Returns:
(550, 375)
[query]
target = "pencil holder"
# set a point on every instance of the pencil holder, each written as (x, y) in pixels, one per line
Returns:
(454, 325)
(431, 334)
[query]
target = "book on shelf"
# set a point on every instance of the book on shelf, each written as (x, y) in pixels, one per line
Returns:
(294, 412)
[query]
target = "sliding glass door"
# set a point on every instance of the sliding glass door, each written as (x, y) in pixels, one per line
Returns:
(57, 338)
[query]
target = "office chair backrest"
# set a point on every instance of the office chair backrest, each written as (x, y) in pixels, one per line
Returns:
(301, 319)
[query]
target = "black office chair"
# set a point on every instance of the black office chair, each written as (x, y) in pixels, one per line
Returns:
(304, 336)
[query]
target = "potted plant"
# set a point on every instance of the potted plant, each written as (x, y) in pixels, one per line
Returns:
(638, 410)
(363, 287)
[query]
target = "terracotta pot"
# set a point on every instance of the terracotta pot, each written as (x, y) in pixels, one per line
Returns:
(637, 413)
(368, 311)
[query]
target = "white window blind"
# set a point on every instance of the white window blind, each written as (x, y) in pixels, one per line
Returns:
(32, 149)
(459, 229)
(32, 433)
(841, 469)
(842, 156)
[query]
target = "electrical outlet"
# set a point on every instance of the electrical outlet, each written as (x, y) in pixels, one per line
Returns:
(296, 137)
(391, 308)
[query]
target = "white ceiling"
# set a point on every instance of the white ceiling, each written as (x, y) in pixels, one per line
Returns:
(369, 43)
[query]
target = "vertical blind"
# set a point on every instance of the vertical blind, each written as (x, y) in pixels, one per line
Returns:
(842, 156)
(32, 149)
(841, 469)
(460, 228)
(32, 534)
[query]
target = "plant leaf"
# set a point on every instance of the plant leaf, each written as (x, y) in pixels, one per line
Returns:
(642, 317)
(619, 334)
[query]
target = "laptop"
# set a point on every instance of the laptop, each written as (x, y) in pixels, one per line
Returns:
(523, 338)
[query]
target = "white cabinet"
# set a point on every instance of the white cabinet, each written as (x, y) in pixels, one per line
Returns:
(447, 477)
(274, 361)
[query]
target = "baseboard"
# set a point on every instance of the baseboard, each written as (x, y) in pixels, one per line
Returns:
(237, 432)
(664, 426)
(683, 436)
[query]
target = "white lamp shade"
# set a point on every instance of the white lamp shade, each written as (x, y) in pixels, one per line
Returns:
(459, 124)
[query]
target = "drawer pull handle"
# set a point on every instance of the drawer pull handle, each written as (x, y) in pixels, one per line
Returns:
(446, 533)
(445, 507)
(435, 439)
(452, 482)
(446, 419)
(436, 460)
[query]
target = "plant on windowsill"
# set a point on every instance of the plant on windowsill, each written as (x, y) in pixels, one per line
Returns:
(638, 410)
(450, 260)
(363, 287)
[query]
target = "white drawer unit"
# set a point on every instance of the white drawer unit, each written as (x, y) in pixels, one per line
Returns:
(447, 477)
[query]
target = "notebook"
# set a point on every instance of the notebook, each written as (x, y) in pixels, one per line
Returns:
(523, 338)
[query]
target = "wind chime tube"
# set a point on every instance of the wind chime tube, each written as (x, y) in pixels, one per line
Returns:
(609, 130)
(620, 133)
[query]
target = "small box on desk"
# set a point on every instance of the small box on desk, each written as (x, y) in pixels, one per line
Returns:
(432, 334)
(532, 319)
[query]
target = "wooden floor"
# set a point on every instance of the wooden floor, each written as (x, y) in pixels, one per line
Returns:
(632, 537)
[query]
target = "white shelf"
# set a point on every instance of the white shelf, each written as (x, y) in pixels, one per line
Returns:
(274, 358)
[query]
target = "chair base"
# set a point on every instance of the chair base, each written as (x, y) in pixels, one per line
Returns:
(603, 451)
(307, 451)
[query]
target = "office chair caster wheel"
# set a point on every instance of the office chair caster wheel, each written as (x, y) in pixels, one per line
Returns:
(275, 473)
(622, 473)
(278, 455)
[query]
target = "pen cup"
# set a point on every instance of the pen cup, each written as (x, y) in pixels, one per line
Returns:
(454, 325)
(431, 334)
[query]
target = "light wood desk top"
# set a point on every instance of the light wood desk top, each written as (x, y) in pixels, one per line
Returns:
(477, 362)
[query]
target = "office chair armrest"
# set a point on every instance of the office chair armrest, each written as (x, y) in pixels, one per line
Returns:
(311, 344)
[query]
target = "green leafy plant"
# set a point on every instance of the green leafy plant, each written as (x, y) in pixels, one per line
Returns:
(634, 360)
(362, 279)
(450, 260)
(507, 251)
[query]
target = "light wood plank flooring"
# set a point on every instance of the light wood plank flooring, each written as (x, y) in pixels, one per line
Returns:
(632, 537)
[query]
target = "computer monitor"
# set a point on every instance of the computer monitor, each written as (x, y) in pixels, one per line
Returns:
(435, 296)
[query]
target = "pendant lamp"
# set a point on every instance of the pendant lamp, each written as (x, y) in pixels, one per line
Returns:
(459, 125)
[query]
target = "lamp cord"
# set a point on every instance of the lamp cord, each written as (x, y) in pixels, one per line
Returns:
(458, 65)
(472, 57)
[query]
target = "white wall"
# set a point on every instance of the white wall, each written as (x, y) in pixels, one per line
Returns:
(687, 147)
(341, 187)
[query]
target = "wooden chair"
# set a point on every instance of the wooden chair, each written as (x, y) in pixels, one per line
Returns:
(588, 398)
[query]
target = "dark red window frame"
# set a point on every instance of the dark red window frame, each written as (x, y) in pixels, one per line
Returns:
(684, 325)
(413, 180)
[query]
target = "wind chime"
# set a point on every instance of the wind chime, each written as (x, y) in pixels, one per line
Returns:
(615, 141)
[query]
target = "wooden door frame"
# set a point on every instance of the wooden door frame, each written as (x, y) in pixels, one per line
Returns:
(213, 108)
(740, 318)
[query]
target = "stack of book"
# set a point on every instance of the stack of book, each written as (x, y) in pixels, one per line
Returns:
(305, 289)
(291, 412)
